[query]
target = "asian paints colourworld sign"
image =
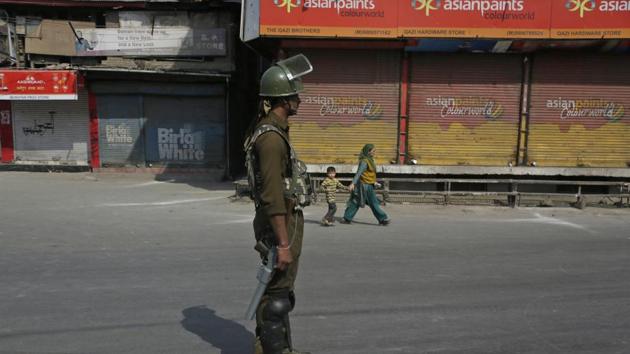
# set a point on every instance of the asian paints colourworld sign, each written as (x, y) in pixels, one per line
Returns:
(573, 19)
(329, 18)
(468, 18)
(446, 18)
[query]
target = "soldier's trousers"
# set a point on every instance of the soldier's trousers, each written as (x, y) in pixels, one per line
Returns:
(282, 283)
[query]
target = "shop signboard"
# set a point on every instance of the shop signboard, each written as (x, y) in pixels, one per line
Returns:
(329, 18)
(496, 19)
(474, 19)
(38, 85)
(585, 19)
(164, 41)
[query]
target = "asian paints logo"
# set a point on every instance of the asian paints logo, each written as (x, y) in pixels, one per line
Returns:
(425, 5)
(346, 105)
(350, 8)
(467, 107)
(287, 4)
(481, 6)
(583, 7)
(587, 108)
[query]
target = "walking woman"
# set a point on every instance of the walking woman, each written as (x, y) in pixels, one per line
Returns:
(362, 189)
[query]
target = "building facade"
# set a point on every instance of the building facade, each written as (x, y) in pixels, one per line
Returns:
(150, 83)
(518, 88)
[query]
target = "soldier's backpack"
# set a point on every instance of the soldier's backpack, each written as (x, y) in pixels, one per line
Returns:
(297, 187)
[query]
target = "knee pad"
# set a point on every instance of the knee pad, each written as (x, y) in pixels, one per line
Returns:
(273, 332)
(276, 309)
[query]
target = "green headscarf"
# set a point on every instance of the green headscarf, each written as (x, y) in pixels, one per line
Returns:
(365, 155)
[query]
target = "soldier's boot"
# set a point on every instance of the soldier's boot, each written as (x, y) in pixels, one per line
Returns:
(259, 350)
(258, 346)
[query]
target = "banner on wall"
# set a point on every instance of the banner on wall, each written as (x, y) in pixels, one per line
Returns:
(147, 41)
(38, 85)
(508, 19)
(472, 19)
(590, 19)
(329, 18)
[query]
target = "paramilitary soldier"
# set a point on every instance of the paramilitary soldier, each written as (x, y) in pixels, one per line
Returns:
(280, 188)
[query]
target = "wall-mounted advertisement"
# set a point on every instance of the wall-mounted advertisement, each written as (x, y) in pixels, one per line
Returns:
(38, 85)
(490, 19)
(474, 18)
(329, 18)
(585, 19)
(141, 41)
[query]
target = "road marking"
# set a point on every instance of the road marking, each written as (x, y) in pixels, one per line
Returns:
(555, 221)
(240, 220)
(145, 184)
(171, 202)
(540, 219)
(237, 221)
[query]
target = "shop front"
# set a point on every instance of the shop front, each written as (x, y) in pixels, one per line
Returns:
(464, 109)
(48, 115)
(160, 123)
(579, 111)
(453, 87)
(350, 99)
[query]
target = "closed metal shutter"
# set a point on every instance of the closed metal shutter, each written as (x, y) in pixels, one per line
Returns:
(185, 130)
(464, 109)
(580, 106)
(351, 99)
(161, 123)
(121, 141)
(52, 131)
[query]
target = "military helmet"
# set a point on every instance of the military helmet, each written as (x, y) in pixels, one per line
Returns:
(284, 77)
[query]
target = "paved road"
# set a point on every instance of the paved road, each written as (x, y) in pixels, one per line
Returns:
(127, 264)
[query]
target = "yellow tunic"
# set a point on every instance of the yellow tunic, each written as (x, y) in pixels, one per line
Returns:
(369, 176)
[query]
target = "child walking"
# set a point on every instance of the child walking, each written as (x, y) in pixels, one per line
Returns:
(330, 186)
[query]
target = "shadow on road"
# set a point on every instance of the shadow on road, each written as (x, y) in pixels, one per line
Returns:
(224, 334)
